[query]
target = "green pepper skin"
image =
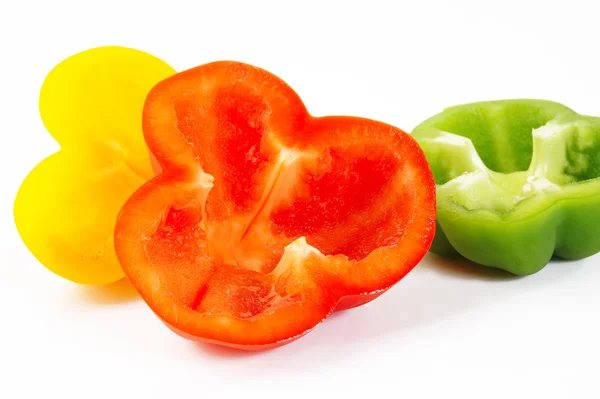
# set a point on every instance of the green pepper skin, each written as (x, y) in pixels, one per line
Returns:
(518, 181)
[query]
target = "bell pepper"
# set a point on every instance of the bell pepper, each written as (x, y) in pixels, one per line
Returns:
(66, 208)
(264, 219)
(518, 182)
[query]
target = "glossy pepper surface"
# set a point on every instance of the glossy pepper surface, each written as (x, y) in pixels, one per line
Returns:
(66, 207)
(264, 219)
(518, 181)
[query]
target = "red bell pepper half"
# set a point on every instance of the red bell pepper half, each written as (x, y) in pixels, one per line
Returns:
(264, 218)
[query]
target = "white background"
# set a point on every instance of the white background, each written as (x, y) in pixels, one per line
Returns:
(445, 329)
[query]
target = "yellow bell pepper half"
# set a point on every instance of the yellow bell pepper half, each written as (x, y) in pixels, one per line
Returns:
(66, 208)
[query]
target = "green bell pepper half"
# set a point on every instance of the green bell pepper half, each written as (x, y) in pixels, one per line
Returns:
(518, 181)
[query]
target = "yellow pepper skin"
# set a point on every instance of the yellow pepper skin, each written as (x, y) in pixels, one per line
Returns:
(66, 208)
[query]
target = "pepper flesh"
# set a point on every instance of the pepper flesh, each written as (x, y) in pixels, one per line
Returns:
(66, 208)
(264, 218)
(518, 182)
